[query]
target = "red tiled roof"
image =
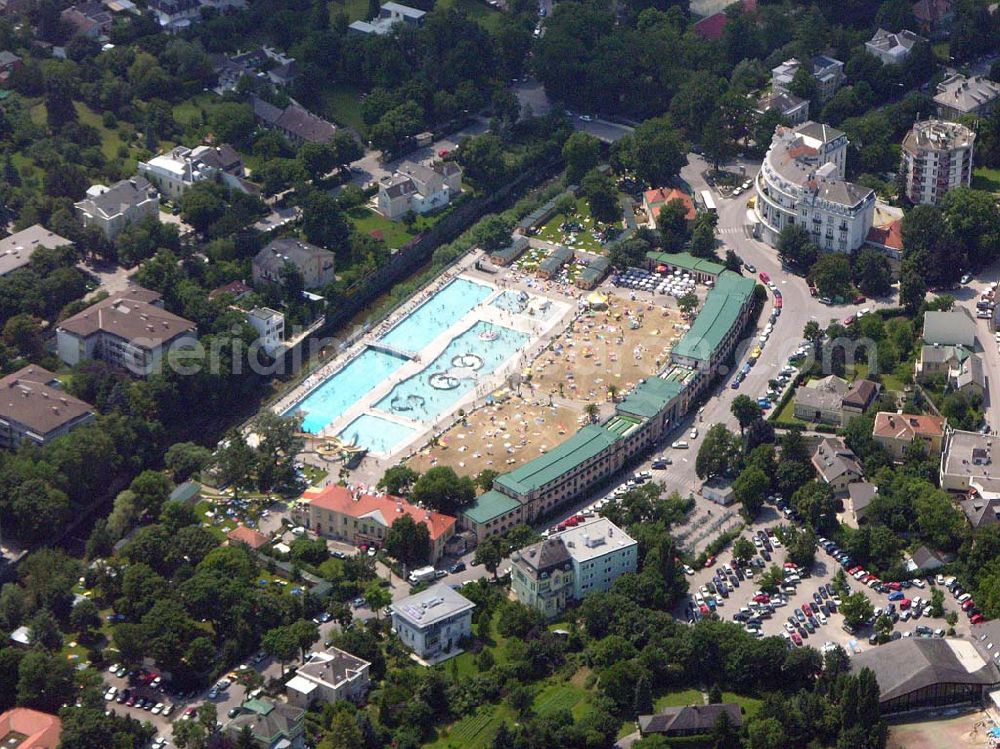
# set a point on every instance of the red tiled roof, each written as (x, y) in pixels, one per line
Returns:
(252, 538)
(659, 197)
(888, 236)
(41, 730)
(237, 289)
(907, 426)
(385, 508)
(712, 27)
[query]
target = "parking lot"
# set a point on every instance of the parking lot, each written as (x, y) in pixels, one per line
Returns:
(769, 615)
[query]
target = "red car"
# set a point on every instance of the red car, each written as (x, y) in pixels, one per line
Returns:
(859, 299)
(709, 562)
(806, 610)
(764, 277)
(813, 291)
(849, 320)
(797, 638)
(443, 152)
(704, 610)
(894, 586)
(978, 619)
(904, 604)
(968, 605)
(761, 598)
(854, 569)
(572, 522)
(778, 302)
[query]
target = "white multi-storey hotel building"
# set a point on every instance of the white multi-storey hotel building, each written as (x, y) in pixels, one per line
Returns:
(936, 158)
(802, 182)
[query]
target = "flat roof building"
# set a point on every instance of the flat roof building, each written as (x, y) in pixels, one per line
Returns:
(967, 463)
(433, 622)
(17, 249)
(936, 158)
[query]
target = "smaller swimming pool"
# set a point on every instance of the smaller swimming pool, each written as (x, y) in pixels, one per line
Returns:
(375, 433)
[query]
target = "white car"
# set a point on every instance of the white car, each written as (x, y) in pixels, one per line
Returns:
(965, 279)
(917, 581)
(157, 708)
(821, 616)
(694, 433)
(688, 570)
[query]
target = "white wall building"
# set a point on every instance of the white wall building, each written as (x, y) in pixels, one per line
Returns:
(433, 622)
(270, 327)
(175, 171)
(802, 182)
(327, 677)
(572, 564)
(113, 208)
(936, 158)
(826, 71)
(893, 48)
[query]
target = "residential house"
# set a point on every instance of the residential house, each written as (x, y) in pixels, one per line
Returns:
(957, 96)
(801, 182)
(827, 72)
(340, 512)
(923, 560)
(9, 63)
(953, 328)
(897, 431)
(981, 510)
(936, 360)
(887, 238)
(90, 19)
(936, 158)
(34, 408)
(248, 536)
(821, 400)
(711, 28)
(175, 172)
(175, 16)
(128, 330)
(314, 263)
(390, 14)
(571, 564)
(270, 327)
(113, 208)
(420, 189)
(654, 200)
(273, 725)
(24, 728)
(295, 123)
(12, 8)
(17, 249)
(236, 289)
(859, 495)
(893, 48)
(793, 109)
(329, 676)
(434, 622)
(858, 399)
(967, 463)
(935, 17)
(969, 377)
(691, 720)
(263, 62)
(228, 166)
(837, 465)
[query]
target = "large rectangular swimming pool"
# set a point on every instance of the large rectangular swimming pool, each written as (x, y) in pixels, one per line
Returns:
(345, 387)
(477, 352)
(449, 305)
(379, 435)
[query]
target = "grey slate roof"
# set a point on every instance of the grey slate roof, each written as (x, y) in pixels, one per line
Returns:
(690, 719)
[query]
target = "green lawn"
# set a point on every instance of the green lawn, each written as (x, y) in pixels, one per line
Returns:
(942, 51)
(860, 371)
(987, 179)
(750, 705)
(342, 104)
(562, 697)
(111, 140)
(787, 413)
(584, 240)
(190, 111)
(678, 698)
(394, 233)
(480, 12)
(355, 10)
(474, 731)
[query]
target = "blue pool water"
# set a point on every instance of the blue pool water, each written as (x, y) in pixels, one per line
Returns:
(417, 398)
(377, 434)
(343, 389)
(436, 315)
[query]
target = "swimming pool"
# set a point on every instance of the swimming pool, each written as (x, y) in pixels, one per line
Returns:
(477, 352)
(450, 304)
(377, 434)
(345, 387)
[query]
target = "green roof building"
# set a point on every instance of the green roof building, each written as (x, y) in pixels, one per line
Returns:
(594, 273)
(650, 398)
(718, 325)
(491, 513)
(510, 253)
(703, 270)
(587, 458)
(554, 262)
(274, 725)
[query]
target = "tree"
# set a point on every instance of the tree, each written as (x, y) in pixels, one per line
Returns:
(43, 630)
(687, 302)
(655, 151)
(185, 459)
(317, 159)
(796, 248)
(45, 682)
(235, 461)
(831, 274)
(743, 550)
(323, 223)
(772, 579)
(85, 618)
(703, 241)
(746, 411)
(377, 597)
(716, 143)
(872, 273)
(23, 333)
(803, 85)
(973, 220)
(482, 158)
(801, 546)
(857, 608)
(580, 153)
(281, 644)
(305, 632)
(912, 288)
(813, 333)
(602, 197)
(493, 233)
(672, 224)
(486, 477)
(408, 541)
(344, 732)
(937, 602)
(489, 554)
(189, 734)
(719, 454)
(766, 733)
(151, 489)
(750, 490)
(233, 123)
(441, 489)
(814, 502)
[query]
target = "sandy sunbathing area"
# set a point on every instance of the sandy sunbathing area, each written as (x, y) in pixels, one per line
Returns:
(612, 348)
